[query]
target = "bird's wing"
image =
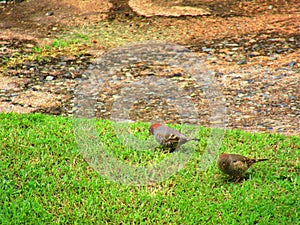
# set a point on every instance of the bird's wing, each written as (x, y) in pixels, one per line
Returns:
(240, 165)
(173, 138)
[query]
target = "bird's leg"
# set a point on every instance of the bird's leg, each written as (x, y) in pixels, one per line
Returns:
(237, 180)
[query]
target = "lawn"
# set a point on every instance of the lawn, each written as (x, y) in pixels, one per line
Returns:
(45, 178)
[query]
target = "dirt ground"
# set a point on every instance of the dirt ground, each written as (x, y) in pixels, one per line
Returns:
(252, 47)
(30, 17)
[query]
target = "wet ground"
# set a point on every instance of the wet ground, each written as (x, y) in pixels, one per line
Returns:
(251, 47)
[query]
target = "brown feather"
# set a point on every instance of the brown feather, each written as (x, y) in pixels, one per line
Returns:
(235, 165)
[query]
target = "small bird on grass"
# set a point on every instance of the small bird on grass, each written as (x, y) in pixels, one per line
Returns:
(169, 137)
(235, 165)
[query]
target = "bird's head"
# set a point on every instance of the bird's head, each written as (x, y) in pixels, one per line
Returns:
(223, 160)
(224, 156)
(153, 127)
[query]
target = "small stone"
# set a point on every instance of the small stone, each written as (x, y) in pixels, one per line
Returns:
(215, 59)
(291, 64)
(219, 74)
(49, 78)
(254, 54)
(236, 77)
(63, 63)
(127, 74)
(205, 49)
(255, 46)
(232, 45)
(50, 13)
(291, 97)
(241, 62)
(279, 51)
(177, 74)
(291, 39)
(29, 45)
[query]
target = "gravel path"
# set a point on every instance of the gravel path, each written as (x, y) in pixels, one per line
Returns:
(258, 73)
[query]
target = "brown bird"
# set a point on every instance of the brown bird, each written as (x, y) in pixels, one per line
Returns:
(235, 165)
(168, 137)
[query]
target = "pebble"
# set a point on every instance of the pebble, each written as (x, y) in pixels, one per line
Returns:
(253, 54)
(241, 62)
(291, 64)
(291, 39)
(205, 49)
(63, 63)
(29, 45)
(236, 77)
(49, 78)
(232, 45)
(127, 74)
(50, 13)
(218, 74)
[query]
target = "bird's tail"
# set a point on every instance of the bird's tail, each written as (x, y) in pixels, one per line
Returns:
(259, 160)
(194, 139)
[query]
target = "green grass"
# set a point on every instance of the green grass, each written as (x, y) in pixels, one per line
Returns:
(45, 180)
(111, 34)
(74, 46)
